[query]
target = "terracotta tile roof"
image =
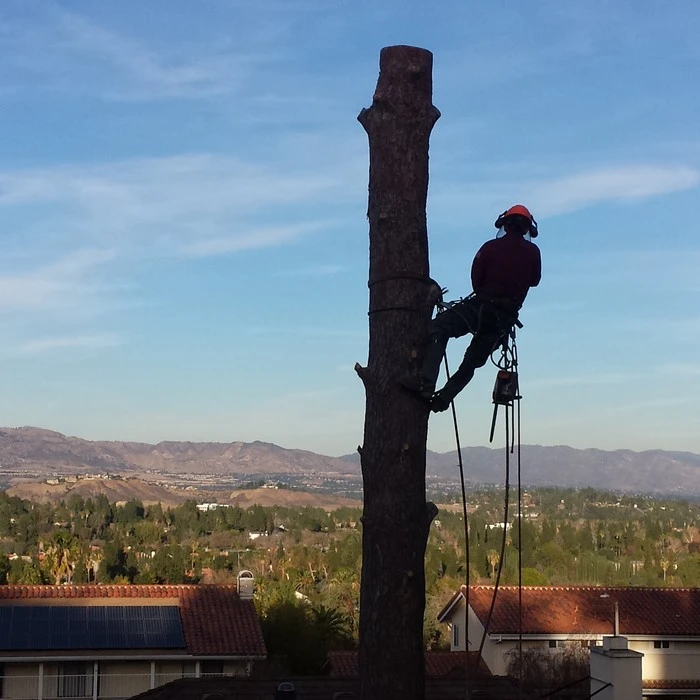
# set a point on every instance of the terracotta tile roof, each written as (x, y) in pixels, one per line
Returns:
(214, 620)
(438, 664)
(586, 610)
(671, 685)
(325, 687)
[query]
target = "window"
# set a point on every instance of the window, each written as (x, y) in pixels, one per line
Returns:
(661, 645)
(212, 668)
(552, 643)
(455, 635)
(75, 680)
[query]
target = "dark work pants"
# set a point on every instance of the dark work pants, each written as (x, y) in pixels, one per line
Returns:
(486, 322)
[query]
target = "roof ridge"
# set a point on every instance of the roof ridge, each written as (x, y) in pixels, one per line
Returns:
(109, 590)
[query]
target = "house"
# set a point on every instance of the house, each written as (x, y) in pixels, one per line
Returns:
(438, 664)
(446, 679)
(661, 623)
(113, 641)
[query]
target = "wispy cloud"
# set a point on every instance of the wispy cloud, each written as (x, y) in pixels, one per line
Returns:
(260, 238)
(195, 204)
(68, 283)
(150, 75)
(57, 43)
(311, 271)
(306, 331)
(683, 369)
(45, 345)
(585, 379)
(577, 191)
(566, 193)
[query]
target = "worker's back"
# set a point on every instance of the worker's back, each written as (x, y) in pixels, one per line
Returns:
(506, 268)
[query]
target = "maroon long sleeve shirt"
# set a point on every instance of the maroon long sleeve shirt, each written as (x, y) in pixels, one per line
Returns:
(507, 267)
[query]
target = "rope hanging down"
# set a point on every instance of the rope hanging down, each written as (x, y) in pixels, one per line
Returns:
(505, 393)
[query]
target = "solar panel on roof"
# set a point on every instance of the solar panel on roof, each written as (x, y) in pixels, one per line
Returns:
(36, 628)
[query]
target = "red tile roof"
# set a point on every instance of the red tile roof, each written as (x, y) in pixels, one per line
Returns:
(437, 664)
(586, 610)
(671, 685)
(214, 620)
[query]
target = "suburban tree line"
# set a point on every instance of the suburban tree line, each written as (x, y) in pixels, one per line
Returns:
(307, 561)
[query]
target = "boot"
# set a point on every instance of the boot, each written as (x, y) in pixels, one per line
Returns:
(423, 382)
(440, 402)
(432, 359)
(442, 399)
(417, 384)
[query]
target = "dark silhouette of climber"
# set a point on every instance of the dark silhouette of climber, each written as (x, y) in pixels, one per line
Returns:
(502, 273)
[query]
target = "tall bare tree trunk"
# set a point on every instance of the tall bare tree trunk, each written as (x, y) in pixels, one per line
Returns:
(396, 517)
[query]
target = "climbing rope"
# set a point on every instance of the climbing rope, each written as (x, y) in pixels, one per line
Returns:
(466, 530)
(508, 362)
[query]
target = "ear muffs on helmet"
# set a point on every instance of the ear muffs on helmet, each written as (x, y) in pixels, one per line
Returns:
(518, 210)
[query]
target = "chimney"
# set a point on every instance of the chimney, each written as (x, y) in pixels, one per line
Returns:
(246, 585)
(616, 670)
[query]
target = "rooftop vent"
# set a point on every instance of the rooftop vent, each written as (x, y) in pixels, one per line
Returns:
(246, 585)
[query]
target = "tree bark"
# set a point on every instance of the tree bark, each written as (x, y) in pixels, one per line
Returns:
(396, 518)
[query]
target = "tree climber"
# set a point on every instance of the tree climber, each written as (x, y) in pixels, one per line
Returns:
(502, 273)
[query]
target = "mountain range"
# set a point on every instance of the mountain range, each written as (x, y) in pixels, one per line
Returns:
(39, 452)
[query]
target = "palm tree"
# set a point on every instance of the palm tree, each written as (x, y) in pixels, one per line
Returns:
(332, 626)
(494, 557)
(305, 582)
(61, 557)
(345, 588)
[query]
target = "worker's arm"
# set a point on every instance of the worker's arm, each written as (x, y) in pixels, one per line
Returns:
(537, 268)
(479, 269)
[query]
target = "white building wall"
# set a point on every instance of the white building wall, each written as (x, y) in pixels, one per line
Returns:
(679, 662)
(20, 681)
(122, 679)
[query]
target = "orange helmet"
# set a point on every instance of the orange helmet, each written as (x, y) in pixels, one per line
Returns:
(518, 210)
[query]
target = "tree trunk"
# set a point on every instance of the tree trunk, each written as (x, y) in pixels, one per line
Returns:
(396, 517)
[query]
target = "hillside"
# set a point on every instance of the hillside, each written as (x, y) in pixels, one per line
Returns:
(115, 491)
(652, 471)
(48, 451)
(243, 498)
(39, 453)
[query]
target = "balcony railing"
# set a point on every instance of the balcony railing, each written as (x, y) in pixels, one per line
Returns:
(110, 686)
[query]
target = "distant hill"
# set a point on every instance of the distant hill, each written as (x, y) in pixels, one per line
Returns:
(244, 498)
(657, 472)
(46, 452)
(115, 491)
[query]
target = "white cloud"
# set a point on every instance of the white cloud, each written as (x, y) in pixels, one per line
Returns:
(683, 369)
(574, 192)
(311, 271)
(306, 331)
(260, 238)
(585, 379)
(56, 44)
(564, 193)
(45, 345)
(195, 204)
(67, 283)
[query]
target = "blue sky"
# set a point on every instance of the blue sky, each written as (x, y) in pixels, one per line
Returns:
(183, 191)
